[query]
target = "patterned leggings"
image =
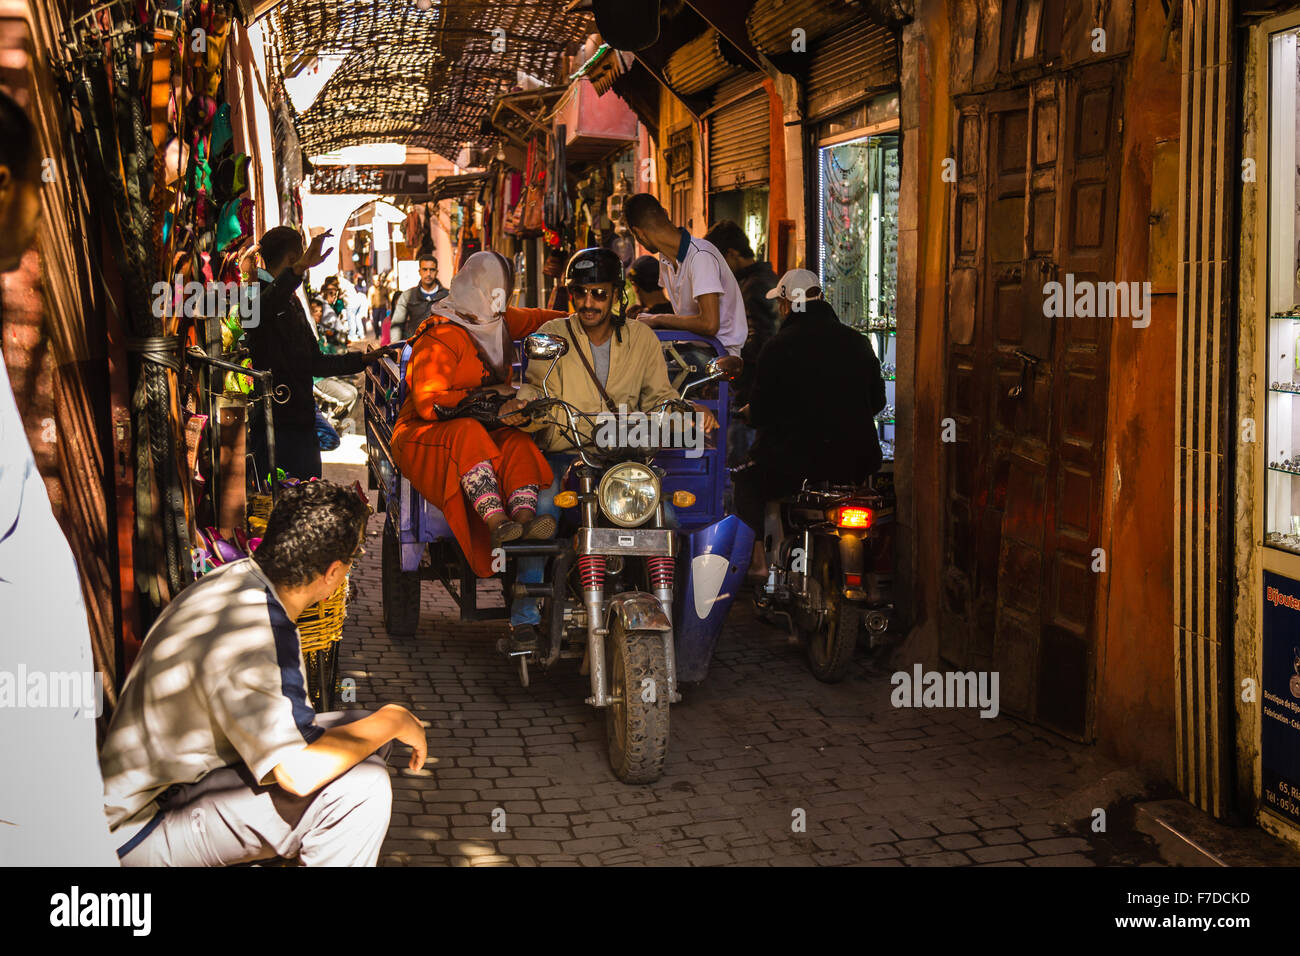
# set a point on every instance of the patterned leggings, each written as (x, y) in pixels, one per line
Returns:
(483, 491)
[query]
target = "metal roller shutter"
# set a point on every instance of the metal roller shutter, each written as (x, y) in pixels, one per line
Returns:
(851, 65)
(739, 141)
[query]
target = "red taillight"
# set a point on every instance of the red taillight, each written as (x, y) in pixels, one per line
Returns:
(853, 517)
(852, 580)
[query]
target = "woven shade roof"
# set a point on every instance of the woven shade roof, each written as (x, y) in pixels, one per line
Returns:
(421, 77)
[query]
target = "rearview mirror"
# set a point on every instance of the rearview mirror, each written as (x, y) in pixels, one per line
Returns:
(725, 366)
(542, 347)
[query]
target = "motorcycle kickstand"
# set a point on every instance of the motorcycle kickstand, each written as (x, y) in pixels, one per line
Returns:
(503, 645)
(793, 636)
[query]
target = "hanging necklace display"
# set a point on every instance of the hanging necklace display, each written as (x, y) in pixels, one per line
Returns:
(844, 228)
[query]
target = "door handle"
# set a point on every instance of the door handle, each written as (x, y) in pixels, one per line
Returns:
(1027, 363)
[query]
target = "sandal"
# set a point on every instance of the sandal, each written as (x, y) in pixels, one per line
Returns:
(539, 528)
(507, 530)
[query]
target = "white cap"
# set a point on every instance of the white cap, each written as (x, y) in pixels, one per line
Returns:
(796, 281)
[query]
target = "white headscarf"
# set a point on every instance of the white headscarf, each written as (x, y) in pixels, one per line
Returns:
(483, 282)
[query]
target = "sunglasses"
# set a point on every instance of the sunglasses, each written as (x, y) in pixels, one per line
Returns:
(580, 292)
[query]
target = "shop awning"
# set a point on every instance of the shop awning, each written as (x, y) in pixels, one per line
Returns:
(465, 187)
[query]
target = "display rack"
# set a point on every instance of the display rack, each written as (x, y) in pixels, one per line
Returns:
(1282, 459)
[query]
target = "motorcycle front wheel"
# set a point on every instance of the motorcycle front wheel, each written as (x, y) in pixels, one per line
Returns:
(636, 722)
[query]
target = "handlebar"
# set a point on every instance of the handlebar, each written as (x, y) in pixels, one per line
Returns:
(536, 408)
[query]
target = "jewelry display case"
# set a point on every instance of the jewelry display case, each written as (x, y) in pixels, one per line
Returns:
(858, 199)
(1282, 368)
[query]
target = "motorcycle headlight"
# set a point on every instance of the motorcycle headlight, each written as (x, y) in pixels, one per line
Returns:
(628, 494)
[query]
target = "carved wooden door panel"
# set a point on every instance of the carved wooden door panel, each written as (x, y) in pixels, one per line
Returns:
(1021, 398)
(1035, 199)
(1086, 230)
(987, 282)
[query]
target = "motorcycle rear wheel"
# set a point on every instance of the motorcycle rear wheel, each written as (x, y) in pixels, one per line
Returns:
(399, 590)
(830, 645)
(637, 728)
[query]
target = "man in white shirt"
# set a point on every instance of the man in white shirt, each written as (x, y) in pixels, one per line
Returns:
(705, 296)
(215, 755)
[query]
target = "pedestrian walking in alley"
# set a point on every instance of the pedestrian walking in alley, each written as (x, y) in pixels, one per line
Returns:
(284, 343)
(214, 755)
(414, 304)
(378, 299)
(349, 304)
(705, 296)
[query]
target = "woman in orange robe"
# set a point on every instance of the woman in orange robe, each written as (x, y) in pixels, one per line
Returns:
(485, 482)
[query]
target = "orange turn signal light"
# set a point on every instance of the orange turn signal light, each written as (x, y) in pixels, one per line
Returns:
(566, 499)
(683, 499)
(851, 517)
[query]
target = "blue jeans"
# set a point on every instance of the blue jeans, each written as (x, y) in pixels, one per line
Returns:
(531, 570)
(357, 323)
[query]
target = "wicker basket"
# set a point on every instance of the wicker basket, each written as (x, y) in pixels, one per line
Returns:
(320, 628)
(321, 624)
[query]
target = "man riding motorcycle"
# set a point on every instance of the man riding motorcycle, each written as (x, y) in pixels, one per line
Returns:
(816, 391)
(610, 363)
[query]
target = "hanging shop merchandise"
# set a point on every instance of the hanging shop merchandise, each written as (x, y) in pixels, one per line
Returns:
(156, 140)
(526, 221)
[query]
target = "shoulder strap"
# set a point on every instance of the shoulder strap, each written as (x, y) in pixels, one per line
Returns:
(573, 337)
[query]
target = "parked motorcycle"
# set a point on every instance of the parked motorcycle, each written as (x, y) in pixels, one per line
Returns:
(831, 570)
(335, 401)
(611, 595)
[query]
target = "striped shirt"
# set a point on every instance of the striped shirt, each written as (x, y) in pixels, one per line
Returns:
(220, 681)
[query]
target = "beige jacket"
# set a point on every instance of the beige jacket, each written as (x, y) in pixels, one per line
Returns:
(638, 377)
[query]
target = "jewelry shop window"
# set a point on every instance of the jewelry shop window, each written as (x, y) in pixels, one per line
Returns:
(858, 198)
(1282, 372)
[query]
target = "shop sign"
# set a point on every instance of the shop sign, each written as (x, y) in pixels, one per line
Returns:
(1280, 730)
(412, 179)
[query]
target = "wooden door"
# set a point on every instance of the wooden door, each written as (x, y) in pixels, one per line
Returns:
(1036, 198)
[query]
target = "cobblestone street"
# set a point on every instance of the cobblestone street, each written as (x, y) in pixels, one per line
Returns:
(757, 742)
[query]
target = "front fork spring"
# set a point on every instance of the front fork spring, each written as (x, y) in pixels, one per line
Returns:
(591, 569)
(661, 571)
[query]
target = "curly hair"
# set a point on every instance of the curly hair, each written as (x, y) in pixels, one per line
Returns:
(312, 525)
